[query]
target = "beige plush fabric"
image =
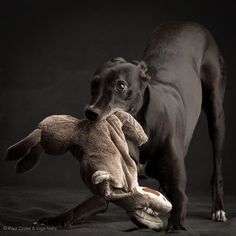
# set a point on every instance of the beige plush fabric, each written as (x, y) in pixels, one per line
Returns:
(99, 145)
(106, 165)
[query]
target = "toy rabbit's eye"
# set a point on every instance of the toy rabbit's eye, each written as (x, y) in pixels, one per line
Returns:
(120, 86)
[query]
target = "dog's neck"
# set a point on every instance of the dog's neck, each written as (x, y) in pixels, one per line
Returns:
(145, 115)
(142, 107)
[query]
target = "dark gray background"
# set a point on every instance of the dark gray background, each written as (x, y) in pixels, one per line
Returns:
(49, 51)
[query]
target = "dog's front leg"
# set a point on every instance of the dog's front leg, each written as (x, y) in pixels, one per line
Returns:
(93, 205)
(174, 186)
(169, 170)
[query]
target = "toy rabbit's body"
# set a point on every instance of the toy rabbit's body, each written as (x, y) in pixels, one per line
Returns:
(102, 150)
(99, 146)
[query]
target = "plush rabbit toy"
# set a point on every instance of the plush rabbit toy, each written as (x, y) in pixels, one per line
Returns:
(106, 165)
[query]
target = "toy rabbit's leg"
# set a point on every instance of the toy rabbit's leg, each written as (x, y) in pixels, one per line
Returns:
(143, 207)
(100, 176)
(144, 220)
(110, 193)
(137, 208)
(156, 201)
(114, 195)
(105, 180)
(93, 205)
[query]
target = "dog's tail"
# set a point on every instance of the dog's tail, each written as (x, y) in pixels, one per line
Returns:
(27, 151)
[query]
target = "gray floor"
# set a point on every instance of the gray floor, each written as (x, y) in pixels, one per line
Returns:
(20, 207)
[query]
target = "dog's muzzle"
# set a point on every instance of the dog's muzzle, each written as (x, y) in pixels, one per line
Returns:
(92, 113)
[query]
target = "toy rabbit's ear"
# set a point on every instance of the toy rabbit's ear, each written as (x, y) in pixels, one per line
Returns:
(29, 161)
(22, 148)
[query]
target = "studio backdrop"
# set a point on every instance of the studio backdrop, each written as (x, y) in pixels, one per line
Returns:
(49, 51)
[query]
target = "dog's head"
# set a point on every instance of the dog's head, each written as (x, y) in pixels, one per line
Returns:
(117, 85)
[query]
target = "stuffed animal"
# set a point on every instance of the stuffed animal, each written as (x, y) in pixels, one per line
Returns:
(106, 166)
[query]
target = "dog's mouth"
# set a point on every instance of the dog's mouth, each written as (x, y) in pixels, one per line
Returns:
(95, 114)
(111, 111)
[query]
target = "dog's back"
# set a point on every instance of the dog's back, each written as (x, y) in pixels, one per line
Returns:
(187, 75)
(176, 55)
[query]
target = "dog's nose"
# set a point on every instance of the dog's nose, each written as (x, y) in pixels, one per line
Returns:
(91, 114)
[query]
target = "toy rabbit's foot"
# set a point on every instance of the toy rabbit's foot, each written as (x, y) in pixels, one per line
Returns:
(100, 176)
(151, 211)
(219, 216)
(157, 200)
(63, 220)
(144, 220)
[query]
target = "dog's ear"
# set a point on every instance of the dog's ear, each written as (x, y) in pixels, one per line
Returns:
(118, 60)
(143, 71)
(111, 63)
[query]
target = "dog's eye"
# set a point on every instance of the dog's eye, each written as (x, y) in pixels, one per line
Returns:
(120, 86)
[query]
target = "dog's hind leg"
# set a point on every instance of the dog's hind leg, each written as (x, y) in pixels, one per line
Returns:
(23, 147)
(213, 84)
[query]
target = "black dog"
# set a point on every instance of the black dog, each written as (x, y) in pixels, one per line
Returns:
(182, 71)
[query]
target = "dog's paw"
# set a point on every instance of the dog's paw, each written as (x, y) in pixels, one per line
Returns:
(63, 220)
(100, 176)
(219, 216)
(172, 227)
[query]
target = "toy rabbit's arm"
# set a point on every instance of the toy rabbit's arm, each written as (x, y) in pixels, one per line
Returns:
(131, 128)
(106, 188)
